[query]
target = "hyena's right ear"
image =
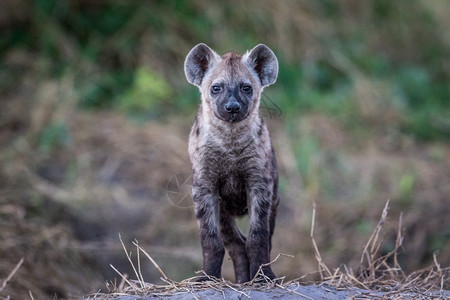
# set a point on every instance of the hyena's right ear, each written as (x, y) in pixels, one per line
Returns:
(197, 63)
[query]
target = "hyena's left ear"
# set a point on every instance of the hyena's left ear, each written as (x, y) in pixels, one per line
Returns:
(264, 62)
(197, 63)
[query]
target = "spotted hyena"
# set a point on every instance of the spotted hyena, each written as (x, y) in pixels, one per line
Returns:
(233, 163)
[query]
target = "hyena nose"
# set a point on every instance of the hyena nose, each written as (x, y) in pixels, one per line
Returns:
(232, 107)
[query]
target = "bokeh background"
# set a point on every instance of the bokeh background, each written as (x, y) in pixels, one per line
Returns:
(95, 116)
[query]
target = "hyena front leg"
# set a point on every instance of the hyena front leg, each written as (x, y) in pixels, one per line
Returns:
(207, 212)
(272, 217)
(234, 242)
(258, 239)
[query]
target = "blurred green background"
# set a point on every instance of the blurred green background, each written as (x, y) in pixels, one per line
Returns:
(96, 114)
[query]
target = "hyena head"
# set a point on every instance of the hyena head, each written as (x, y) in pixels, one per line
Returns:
(231, 84)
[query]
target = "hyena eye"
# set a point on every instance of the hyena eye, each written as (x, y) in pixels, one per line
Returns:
(215, 89)
(246, 88)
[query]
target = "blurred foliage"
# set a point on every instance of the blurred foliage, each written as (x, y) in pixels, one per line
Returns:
(53, 135)
(112, 45)
(148, 93)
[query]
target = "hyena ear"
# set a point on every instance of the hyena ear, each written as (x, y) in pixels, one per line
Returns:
(264, 62)
(197, 63)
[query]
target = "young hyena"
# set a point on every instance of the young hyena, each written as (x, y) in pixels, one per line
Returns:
(233, 162)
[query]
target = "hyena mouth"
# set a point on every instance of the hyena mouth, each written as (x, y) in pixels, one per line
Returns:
(231, 118)
(234, 118)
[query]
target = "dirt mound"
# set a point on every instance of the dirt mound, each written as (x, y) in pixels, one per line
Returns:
(293, 292)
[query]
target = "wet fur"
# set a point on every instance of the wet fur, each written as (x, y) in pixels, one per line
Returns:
(233, 162)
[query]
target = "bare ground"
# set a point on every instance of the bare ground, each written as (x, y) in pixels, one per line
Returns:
(292, 292)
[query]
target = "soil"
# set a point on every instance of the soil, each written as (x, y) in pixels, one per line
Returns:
(294, 292)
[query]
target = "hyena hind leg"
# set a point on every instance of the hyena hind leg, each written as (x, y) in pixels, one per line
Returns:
(234, 242)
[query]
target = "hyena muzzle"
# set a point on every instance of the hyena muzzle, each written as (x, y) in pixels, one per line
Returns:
(233, 162)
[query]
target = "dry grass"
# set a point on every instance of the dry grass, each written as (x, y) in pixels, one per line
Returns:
(10, 276)
(383, 272)
(40, 259)
(377, 273)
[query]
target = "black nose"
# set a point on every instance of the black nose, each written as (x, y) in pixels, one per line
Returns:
(232, 107)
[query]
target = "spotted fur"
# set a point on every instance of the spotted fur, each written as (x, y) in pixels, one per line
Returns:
(233, 163)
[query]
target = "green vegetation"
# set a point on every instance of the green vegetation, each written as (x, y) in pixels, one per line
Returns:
(110, 48)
